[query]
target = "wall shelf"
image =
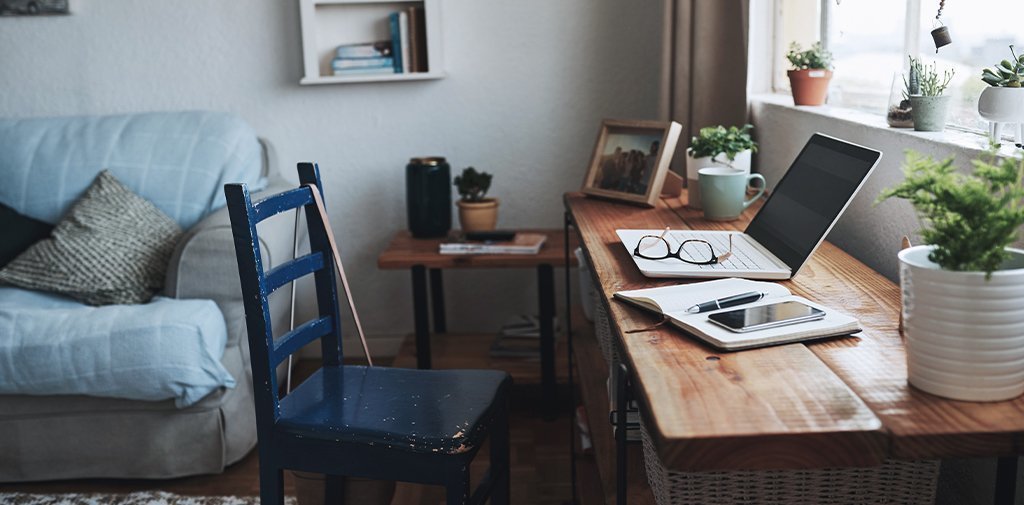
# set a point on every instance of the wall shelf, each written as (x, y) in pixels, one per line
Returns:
(327, 24)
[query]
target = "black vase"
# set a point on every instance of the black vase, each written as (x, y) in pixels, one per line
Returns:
(428, 197)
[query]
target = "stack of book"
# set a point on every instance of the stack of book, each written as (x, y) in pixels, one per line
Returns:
(521, 243)
(405, 52)
(519, 338)
(364, 58)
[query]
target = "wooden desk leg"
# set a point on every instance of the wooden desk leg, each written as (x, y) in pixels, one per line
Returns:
(546, 295)
(1006, 481)
(621, 456)
(437, 300)
(422, 320)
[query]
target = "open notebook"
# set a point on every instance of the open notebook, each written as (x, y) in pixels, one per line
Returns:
(672, 301)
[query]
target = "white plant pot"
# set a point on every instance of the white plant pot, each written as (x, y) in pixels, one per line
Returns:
(964, 334)
(693, 165)
(1002, 106)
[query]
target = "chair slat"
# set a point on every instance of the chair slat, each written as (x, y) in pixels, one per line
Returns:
(282, 202)
(293, 269)
(300, 336)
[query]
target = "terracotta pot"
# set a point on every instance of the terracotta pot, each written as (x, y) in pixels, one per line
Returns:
(810, 87)
(478, 216)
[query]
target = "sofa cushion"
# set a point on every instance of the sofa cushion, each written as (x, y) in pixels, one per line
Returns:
(18, 232)
(180, 161)
(112, 247)
(165, 349)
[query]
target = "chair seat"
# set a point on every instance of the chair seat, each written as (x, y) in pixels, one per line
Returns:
(427, 411)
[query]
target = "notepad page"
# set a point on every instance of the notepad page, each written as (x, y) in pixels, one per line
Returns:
(679, 297)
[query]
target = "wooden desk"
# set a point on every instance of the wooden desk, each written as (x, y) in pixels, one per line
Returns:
(837, 403)
(418, 255)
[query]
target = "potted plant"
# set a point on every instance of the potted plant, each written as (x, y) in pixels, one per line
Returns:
(900, 114)
(476, 212)
(717, 146)
(811, 73)
(963, 292)
(930, 106)
(1003, 100)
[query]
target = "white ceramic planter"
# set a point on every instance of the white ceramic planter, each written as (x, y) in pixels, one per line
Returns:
(693, 165)
(1002, 106)
(964, 334)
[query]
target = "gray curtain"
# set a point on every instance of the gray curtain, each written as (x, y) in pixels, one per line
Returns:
(705, 77)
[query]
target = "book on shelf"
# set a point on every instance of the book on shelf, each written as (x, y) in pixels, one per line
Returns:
(522, 243)
(504, 347)
(673, 302)
(524, 326)
(378, 49)
(417, 39)
(363, 70)
(382, 62)
(399, 25)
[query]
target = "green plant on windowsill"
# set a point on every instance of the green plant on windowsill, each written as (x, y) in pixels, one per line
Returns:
(930, 83)
(969, 218)
(473, 185)
(815, 57)
(1007, 73)
(717, 140)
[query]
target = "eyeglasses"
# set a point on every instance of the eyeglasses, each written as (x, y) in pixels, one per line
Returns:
(693, 251)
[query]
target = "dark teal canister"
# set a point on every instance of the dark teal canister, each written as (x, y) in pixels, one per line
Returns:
(428, 197)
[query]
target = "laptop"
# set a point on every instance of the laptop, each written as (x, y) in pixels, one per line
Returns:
(804, 207)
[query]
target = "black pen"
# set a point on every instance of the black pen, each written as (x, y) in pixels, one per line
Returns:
(729, 301)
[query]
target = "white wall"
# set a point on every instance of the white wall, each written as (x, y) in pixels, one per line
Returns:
(528, 84)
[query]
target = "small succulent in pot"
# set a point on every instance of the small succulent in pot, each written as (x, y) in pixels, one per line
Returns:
(473, 185)
(1007, 73)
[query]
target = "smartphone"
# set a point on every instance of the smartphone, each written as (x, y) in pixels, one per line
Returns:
(766, 316)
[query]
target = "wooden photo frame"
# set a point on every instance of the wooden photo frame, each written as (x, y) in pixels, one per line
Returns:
(631, 159)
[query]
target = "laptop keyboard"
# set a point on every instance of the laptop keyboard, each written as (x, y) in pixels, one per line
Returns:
(744, 256)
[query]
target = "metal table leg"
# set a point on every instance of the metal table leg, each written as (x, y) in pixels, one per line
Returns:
(437, 300)
(546, 294)
(422, 320)
(1006, 481)
(568, 338)
(621, 454)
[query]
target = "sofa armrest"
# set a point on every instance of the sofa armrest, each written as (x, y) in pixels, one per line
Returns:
(203, 264)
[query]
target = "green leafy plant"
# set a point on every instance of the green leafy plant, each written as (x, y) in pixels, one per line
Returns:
(715, 140)
(473, 185)
(1007, 73)
(931, 84)
(817, 57)
(969, 218)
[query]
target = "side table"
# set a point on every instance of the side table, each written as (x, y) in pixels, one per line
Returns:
(421, 256)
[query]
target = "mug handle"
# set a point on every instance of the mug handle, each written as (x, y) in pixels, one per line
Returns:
(760, 190)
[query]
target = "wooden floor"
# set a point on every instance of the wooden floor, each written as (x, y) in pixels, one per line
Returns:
(539, 456)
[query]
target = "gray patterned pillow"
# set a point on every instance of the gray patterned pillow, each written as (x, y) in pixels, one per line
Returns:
(111, 247)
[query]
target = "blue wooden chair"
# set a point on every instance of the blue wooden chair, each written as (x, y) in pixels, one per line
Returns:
(422, 426)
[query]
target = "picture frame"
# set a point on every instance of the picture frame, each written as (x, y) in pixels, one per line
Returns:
(631, 159)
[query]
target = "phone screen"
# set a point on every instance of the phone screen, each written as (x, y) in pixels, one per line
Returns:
(766, 316)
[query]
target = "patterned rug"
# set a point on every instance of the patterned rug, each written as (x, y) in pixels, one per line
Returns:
(138, 498)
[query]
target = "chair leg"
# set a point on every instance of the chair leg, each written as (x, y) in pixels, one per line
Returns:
(457, 490)
(271, 485)
(500, 458)
(334, 490)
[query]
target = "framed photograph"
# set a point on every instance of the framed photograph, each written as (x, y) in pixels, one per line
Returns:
(631, 159)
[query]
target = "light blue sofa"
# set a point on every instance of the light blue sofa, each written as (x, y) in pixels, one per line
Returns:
(179, 161)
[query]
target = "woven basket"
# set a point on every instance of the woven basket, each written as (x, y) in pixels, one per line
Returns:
(895, 482)
(603, 333)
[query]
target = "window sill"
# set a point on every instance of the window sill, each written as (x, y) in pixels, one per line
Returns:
(943, 141)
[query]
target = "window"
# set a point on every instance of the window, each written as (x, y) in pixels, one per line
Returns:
(871, 39)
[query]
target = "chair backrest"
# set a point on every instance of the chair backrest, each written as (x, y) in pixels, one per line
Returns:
(257, 285)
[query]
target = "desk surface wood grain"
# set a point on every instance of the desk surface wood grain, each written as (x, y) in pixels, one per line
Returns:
(839, 402)
(404, 251)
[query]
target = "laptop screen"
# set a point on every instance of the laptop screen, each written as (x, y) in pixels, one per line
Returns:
(808, 200)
